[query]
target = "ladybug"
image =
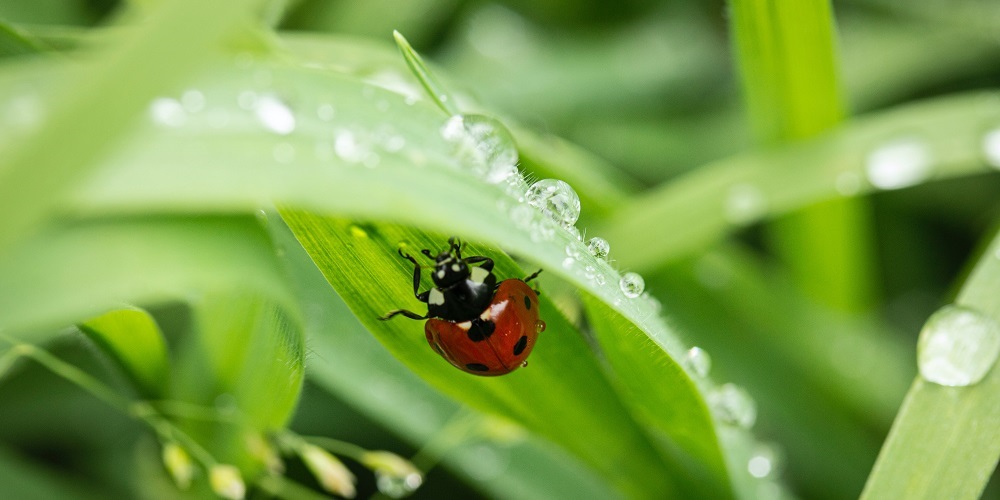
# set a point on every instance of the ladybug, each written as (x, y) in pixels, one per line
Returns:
(478, 325)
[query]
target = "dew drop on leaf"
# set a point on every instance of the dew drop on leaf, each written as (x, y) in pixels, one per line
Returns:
(599, 247)
(394, 486)
(898, 164)
(632, 285)
(483, 145)
(698, 361)
(274, 115)
(957, 346)
(991, 147)
(555, 199)
(732, 405)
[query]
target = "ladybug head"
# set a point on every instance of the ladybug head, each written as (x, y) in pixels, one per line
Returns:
(449, 269)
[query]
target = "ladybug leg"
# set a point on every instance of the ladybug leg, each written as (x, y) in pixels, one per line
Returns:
(404, 312)
(533, 276)
(422, 297)
(488, 262)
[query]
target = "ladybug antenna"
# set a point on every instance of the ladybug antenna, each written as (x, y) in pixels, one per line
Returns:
(533, 276)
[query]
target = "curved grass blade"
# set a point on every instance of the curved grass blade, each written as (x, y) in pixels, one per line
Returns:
(730, 193)
(438, 93)
(344, 352)
(945, 441)
(561, 396)
(14, 42)
(45, 277)
(133, 339)
(98, 102)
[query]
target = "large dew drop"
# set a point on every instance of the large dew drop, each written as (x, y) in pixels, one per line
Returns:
(274, 115)
(555, 199)
(957, 346)
(484, 145)
(898, 164)
(991, 147)
(732, 405)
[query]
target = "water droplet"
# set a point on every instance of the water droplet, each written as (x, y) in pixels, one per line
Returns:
(325, 112)
(283, 152)
(568, 263)
(193, 101)
(764, 461)
(543, 230)
(167, 112)
(632, 285)
(957, 346)
(483, 145)
(539, 326)
(349, 147)
(991, 147)
(556, 199)
(358, 232)
(600, 279)
(848, 183)
(524, 364)
(745, 204)
(574, 232)
(274, 115)
(395, 486)
(698, 361)
(599, 247)
(898, 164)
(732, 405)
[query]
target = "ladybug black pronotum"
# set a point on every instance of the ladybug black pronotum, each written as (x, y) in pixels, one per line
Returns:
(478, 325)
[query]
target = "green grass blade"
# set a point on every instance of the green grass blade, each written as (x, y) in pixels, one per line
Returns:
(781, 180)
(344, 352)
(99, 101)
(945, 441)
(174, 256)
(562, 395)
(438, 93)
(133, 339)
(14, 42)
(787, 55)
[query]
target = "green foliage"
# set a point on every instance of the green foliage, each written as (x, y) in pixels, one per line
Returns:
(216, 202)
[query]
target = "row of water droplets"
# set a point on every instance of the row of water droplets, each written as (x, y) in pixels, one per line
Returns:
(485, 147)
(264, 108)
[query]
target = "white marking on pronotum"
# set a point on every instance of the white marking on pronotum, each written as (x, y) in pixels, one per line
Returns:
(479, 274)
(454, 267)
(436, 297)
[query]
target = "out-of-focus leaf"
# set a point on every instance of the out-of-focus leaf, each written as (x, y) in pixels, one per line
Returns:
(133, 339)
(26, 481)
(81, 270)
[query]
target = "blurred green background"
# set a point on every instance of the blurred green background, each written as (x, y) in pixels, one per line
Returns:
(653, 89)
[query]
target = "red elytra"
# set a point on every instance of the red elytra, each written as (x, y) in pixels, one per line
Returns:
(513, 311)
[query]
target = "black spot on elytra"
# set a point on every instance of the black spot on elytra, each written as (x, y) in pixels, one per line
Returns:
(477, 367)
(527, 303)
(481, 330)
(520, 345)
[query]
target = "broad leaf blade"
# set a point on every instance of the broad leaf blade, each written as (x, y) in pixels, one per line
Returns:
(133, 339)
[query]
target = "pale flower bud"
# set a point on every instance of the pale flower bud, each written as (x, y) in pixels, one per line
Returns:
(227, 482)
(330, 472)
(178, 464)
